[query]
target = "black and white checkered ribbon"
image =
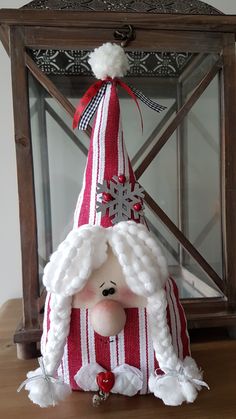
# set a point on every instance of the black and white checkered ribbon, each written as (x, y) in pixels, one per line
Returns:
(94, 103)
(150, 103)
(91, 108)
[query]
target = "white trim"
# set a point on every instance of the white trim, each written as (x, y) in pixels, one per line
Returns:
(102, 147)
(93, 180)
(83, 337)
(113, 352)
(92, 355)
(126, 164)
(121, 348)
(151, 355)
(142, 349)
(121, 162)
(80, 200)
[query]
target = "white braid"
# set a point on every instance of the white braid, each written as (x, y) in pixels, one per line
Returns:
(72, 263)
(162, 341)
(60, 314)
(45, 328)
(183, 381)
(42, 390)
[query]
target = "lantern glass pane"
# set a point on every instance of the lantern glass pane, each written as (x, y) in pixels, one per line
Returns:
(183, 178)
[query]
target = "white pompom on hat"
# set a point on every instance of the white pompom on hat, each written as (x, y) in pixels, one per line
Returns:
(109, 60)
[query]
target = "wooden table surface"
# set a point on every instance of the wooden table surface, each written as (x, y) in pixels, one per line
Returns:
(216, 358)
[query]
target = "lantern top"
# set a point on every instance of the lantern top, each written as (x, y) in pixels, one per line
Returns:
(193, 7)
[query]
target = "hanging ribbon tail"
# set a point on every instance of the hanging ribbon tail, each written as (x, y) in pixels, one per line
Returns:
(85, 100)
(150, 103)
(91, 108)
(133, 95)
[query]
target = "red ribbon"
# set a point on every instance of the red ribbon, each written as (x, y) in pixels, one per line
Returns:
(93, 90)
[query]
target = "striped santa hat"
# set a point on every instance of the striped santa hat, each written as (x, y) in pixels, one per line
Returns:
(110, 193)
(109, 211)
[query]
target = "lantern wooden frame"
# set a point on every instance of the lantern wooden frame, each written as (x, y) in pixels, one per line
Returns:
(21, 29)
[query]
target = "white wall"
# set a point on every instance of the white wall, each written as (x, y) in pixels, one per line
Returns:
(226, 6)
(10, 258)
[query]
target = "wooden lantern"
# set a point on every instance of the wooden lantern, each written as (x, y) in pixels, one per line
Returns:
(182, 54)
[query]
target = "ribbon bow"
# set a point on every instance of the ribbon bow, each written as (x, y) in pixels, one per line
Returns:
(93, 96)
(49, 379)
(181, 375)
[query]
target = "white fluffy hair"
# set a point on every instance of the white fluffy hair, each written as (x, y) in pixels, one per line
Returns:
(109, 60)
(145, 272)
(85, 249)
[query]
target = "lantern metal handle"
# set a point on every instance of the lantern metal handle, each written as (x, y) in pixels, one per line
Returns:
(125, 34)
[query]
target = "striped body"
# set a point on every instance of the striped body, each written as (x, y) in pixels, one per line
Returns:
(132, 346)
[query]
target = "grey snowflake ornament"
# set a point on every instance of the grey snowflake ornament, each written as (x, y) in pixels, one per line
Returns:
(122, 199)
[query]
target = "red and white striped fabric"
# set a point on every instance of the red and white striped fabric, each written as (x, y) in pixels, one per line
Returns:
(107, 157)
(132, 346)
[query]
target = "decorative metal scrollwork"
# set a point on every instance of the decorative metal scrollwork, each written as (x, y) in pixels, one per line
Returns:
(149, 6)
(146, 64)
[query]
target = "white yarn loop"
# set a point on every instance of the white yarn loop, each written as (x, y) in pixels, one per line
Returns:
(49, 379)
(181, 375)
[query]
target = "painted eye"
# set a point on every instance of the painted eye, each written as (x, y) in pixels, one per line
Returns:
(105, 293)
(112, 291)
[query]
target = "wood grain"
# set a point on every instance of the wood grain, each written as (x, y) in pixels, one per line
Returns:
(63, 18)
(217, 358)
(228, 162)
(79, 38)
(4, 37)
(25, 179)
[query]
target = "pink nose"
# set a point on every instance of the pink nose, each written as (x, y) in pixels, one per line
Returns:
(108, 318)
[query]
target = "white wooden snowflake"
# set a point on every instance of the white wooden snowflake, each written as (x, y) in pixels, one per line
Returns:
(122, 199)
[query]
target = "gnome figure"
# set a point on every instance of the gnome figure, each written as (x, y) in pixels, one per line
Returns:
(113, 320)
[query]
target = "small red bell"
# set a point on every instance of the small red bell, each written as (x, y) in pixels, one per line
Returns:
(122, 179)
(137, 207)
